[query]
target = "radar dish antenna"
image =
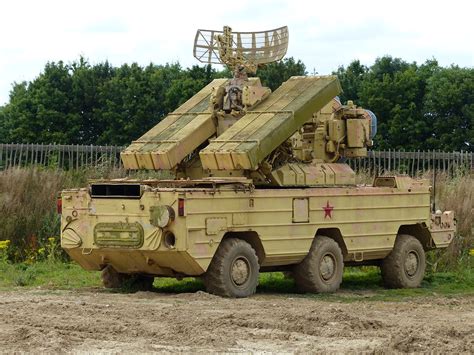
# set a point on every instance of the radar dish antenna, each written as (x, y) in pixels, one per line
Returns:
(247, 49)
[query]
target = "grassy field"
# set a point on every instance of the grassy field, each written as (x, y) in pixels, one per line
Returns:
(358, 283)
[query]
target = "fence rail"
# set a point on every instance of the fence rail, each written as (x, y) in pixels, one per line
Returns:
(413, 162)
(80, 156)
(59, 156)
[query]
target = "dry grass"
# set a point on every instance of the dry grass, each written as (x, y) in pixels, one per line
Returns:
(28, 206)
(456, 194)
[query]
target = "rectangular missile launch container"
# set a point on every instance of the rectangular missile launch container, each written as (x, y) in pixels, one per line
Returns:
(176, 136)
(260, 131)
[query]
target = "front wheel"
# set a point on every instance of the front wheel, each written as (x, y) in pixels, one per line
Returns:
(321, 270)
(405, 266)
(234, 270)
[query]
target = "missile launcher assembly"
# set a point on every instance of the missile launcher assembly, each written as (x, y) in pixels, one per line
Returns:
(236, 127)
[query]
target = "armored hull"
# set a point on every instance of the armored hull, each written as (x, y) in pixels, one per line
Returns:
(280, 224)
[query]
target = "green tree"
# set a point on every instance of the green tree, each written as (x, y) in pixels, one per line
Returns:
(55, 107)
(97, 104)
(87, 85)
(351, 79)
(3, 128)
(449, 109)
(393, 90)
(418, 106)
(274, 74)
(137, 98)
(128, 105)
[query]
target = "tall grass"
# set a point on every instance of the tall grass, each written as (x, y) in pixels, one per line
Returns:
(27, 205)
(28, 216)
(28, 209)
(456, 194)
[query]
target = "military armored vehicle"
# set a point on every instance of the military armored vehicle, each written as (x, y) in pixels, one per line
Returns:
(256, 185)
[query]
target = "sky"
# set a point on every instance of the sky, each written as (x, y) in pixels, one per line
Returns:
(323, 34)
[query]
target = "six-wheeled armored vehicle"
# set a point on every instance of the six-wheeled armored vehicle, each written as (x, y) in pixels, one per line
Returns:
(257, 184)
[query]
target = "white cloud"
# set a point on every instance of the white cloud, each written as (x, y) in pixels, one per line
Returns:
(323, 34)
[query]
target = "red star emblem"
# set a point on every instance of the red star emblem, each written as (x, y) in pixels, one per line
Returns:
(328, 210)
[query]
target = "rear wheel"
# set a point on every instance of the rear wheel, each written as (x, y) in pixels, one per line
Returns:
(111, 278)
(405, 266)
(234, 270)
(321, 270)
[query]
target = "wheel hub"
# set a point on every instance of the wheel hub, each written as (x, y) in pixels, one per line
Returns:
(411, 263)
(240, 271)
(327, 266)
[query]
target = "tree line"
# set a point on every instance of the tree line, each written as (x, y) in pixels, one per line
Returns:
(418, 106)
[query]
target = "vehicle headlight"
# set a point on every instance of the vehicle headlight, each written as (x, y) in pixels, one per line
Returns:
(161, 216)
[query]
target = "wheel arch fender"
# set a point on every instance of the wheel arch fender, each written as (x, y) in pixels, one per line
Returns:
(252, 238)
(336, 235)
(420, 232)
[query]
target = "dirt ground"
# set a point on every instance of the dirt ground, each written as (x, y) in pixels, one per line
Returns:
(93, 320)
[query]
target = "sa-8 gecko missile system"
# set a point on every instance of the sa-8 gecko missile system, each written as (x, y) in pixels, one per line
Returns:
(257, 185)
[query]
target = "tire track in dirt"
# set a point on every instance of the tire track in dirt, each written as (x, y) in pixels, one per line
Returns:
(94, 320)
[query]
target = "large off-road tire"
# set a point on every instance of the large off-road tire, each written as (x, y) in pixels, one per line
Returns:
(234, 270)
(405, 266)
(321, 270)
(113, 279)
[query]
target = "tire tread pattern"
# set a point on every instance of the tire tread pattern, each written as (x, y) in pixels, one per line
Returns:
(214, 279)
(306, 273)
(393, 268)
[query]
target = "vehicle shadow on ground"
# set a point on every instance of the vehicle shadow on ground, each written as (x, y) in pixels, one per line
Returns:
(363, 283)
(359, 284)
(354, 282)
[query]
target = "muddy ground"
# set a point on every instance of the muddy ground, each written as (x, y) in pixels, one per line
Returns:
(93, 320)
